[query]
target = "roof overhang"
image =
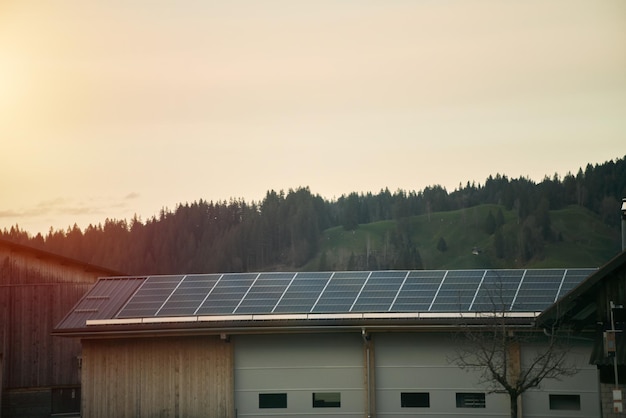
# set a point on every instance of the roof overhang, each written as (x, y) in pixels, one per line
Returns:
(579, 305)
(285, 323)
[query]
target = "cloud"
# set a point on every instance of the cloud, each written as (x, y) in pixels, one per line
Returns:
(69, 206)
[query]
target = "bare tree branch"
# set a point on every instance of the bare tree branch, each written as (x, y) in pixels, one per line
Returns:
(492, 349)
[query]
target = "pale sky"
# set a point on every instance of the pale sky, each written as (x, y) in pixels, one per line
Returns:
(118, 107)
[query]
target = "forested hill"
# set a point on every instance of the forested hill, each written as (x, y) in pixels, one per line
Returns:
(503, 223)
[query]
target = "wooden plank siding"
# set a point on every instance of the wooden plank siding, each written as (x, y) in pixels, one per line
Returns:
(36, 359)
(37, 289)
(158, 377)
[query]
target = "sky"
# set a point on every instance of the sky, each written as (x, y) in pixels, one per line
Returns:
(116, 108)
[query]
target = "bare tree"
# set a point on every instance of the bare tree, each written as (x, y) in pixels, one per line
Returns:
(493, 348)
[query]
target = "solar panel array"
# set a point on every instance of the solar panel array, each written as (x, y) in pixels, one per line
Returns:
(352, 291)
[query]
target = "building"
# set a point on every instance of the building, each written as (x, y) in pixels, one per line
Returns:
(598, 305)
(39, 374)
(315, 344)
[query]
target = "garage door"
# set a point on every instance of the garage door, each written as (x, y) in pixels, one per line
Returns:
(312, 375)
(415, 377)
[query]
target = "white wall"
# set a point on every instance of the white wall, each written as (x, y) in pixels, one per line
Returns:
(299, 365)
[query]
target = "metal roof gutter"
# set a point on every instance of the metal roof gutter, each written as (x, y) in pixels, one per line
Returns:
(239, 324)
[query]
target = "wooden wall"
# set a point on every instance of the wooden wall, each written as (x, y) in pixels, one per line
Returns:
(158, 377)
(33, 358)
(37, 289)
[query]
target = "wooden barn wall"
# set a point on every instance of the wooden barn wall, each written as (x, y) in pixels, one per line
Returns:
(164, 377)
(33, 357)
(36, 291)
(24, 267)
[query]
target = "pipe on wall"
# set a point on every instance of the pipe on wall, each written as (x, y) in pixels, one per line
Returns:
(368, 375)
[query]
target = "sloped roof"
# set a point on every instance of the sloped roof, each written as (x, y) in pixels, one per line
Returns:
(42, 254)
(588, 307)
(580, 304)
(204, 300)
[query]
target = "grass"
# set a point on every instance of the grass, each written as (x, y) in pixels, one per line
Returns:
(586, 241)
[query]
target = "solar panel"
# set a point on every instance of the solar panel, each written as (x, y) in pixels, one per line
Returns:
(148, 299)
(302, 292)
(418, 291)
(189, 294)
(572, 279)
(337, 292)
(497, 290)
(227, 294)
(341, 292)
(457, 291)
(264, 293)
(379, 291)
(102, 301)
(538, 289)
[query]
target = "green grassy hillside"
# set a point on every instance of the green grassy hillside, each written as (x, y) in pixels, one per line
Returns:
(577, 239)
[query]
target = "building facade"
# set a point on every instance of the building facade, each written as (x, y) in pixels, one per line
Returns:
(321, 344)
(39, 374)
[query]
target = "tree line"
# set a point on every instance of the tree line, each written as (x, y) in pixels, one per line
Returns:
(283, 230)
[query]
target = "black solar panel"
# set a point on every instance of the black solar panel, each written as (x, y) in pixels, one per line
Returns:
(457, 291)
(188, 296)
(417, 292)
(497, 291)
(265, 293)
(341, 292)
(227, 294)
(150, 296)
(379, 292)
(302, 293)
(538, 289)
(335, 292)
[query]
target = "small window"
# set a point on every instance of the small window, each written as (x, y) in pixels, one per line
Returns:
(470, 400)
(327, 400)
(415, 400)
(65, 400)
(272, 400)
(565, 402)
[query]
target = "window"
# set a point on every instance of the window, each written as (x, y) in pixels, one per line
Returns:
(565, 402)
(415, 400)
(272, 400)
(470, 400)
(65, 400)
(327, 400)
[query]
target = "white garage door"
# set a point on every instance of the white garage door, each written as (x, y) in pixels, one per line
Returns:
(312, 375)
(415, 378)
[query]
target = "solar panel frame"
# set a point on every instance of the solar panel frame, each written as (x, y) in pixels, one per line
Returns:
(497, 290)
(457, 291)
(351, 291)
(227, 294)
(418, 291)
(539, 289)
(149, 297)
(189, 295)
(102, 301)
(379, 292)
(264, 293)
(340, 292)
(304, 290)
